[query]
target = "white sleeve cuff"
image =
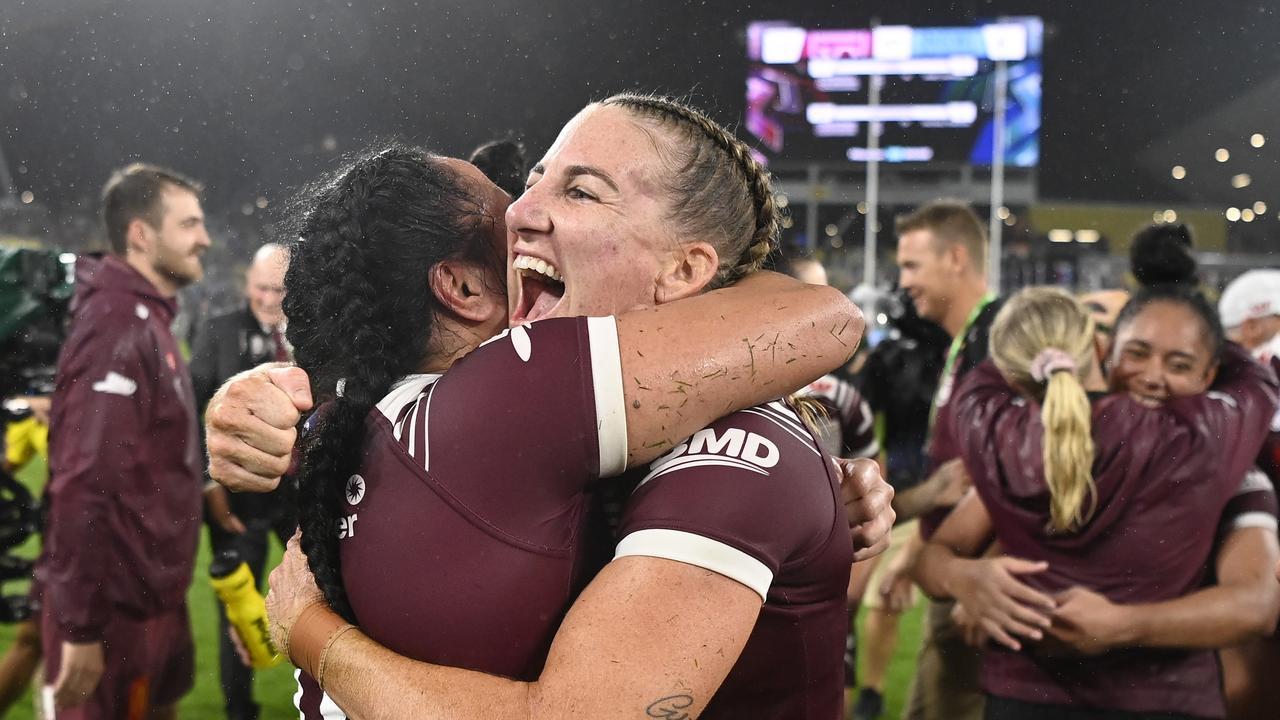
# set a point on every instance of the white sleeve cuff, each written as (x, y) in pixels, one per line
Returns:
(701, 551)
(611, 412)
(1257, 519)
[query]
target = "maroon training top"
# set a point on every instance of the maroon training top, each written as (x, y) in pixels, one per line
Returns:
(1163, 476)
(124, 459)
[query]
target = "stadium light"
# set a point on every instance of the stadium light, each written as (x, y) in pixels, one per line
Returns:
(1260, 208)
(1241, 181)
(1179, 172)
(1222, 155)
(1247, 215)
(1233, 214)
(1257, 140)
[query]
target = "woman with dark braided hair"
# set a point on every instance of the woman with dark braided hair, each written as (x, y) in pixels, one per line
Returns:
(640, 202)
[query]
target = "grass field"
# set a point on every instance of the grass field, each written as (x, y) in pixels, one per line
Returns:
(898, 678)
(274, 688)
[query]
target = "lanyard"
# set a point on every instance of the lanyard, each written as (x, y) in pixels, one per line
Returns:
(946, 381)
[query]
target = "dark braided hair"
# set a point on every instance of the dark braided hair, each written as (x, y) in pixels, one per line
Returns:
(361, 311)
(1161, 261)
(718, 189)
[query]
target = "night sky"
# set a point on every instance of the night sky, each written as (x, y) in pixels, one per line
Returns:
(255, 97)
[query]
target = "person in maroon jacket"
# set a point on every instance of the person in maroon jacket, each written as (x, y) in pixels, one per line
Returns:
(1165, 469)
(124, 487)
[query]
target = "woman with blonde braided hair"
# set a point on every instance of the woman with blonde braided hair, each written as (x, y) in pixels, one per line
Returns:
(725, 595)
(1042, 341)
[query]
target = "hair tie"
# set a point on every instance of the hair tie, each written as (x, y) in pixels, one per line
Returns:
(341, 388)
(1049, 361)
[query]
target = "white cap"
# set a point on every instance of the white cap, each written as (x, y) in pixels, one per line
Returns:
(1254, 294)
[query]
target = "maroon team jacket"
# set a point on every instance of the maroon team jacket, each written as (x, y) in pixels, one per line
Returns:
(124, 460)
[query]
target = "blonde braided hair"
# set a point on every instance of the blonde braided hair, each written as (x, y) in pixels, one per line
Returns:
(708, 197)
(1034, 320)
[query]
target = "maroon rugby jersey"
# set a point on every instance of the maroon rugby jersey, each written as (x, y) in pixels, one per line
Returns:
(754, 498)
(1163, 476)
(461, 540)
(848, 430)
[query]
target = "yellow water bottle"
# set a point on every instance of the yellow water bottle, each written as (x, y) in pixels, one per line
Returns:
(246, 610)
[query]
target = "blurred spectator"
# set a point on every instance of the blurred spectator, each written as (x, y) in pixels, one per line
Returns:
(503, 162)
(898, 381)
(124, 492)
(1250, 309)
(242, 523)
(942, 250)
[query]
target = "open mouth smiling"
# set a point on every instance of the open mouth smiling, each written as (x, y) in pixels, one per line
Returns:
(541, 288)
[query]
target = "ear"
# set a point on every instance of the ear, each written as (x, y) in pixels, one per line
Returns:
(139, 237)
(690, 269)
(466, 290)
(1211, 374)
(957, 256)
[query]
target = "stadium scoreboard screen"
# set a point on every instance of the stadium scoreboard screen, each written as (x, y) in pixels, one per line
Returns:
(808, 92)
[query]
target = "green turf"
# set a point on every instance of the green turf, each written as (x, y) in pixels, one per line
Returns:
(898, 679)
(273, 688)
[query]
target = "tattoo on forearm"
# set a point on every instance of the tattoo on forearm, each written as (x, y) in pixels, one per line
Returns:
(670, 708)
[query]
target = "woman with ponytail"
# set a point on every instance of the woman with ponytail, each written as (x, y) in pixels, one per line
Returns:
(642, 201)
(1121, 497)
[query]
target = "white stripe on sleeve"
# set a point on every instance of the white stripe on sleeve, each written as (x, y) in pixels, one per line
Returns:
(701, 551)
(1256, 519)
(611, 413)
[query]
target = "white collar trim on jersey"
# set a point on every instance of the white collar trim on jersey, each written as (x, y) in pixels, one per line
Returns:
(404, 391)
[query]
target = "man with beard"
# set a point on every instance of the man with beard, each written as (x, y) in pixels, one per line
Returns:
(124, 487)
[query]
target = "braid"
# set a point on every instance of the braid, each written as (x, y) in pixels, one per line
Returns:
(700, 192)
(360, 312)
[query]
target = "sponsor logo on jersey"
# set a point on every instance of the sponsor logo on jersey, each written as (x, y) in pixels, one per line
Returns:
(347, 526)
(730, 447)
(116, 384)
(519, 340)
(355, 490)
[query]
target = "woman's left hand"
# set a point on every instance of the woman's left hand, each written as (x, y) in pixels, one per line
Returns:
(1088, 622)
(868, 501)
(293, 589)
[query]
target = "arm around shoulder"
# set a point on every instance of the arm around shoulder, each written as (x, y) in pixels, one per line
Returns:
(687, 363)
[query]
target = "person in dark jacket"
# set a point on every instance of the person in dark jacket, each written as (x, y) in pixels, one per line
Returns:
(242, 523)
(124, 487)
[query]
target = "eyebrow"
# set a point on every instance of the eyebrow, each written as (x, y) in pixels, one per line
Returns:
(1172, 353)
(576, 170)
